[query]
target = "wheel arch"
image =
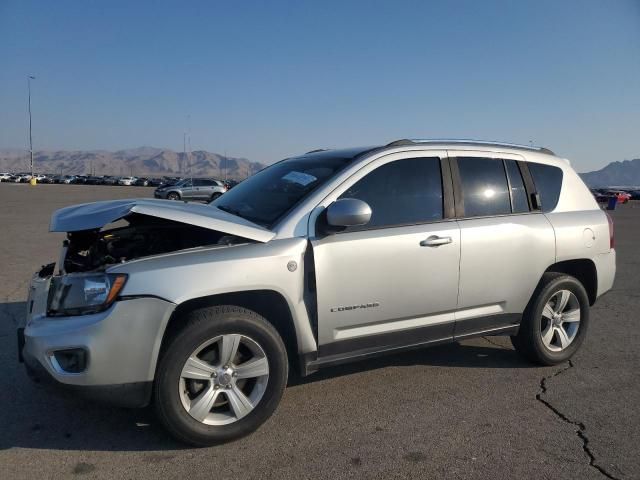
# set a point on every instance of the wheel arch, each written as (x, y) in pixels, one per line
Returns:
(584, 270)
(270, 304)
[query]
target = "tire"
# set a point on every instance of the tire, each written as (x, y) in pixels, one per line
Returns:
(173, 196)
(215, 196)
(176, 398)
(549, 347)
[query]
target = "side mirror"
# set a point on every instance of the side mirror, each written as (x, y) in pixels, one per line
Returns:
(348, 212)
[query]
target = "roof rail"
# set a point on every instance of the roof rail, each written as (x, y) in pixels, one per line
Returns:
(317, 150)
(417, 141)
(400, 143)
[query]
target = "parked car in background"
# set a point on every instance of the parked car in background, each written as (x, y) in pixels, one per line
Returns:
(141, 182)
(93, 180)
(128, 181)
(22, 178)
(230, 184)
(5, 176)
(67, 179)
(622, 196)
(155, 182)
(167, 181)
(599, 195)
(202, 189)
(109, 180)
(602, 195)
(326, 257)
(635, 194)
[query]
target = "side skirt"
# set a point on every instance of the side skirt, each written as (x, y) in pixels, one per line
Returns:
(311, 362)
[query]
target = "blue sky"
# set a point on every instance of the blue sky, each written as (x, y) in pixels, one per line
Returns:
(265, 80)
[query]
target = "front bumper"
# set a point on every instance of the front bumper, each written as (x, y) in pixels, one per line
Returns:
(130, 395)
(121, 345)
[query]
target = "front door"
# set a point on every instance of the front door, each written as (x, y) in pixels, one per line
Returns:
(393, 282)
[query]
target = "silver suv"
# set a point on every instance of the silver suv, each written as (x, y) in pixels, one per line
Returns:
(320, 259)
(203, 189)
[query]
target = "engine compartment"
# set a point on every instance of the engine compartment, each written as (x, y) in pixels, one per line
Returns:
(89, 250)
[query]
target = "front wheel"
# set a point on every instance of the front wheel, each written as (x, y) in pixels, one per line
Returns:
(173, 196)
(555, 322)
(221, 377)
(215, 196)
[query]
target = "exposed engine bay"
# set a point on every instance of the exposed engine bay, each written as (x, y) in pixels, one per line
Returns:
(95, 249)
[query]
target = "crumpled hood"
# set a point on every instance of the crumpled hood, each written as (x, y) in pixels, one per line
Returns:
(94, 215)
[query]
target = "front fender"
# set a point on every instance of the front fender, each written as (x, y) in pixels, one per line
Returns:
(191, 274)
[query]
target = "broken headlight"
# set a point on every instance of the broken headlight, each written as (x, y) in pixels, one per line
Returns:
(81, 294)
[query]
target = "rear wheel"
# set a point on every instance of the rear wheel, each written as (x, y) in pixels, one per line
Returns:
(221, 377)
(555, 322)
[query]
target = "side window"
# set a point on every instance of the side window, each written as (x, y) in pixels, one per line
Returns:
(203, 182)
(402, 192)
(485, 190)
(519, 203)
(548, 182)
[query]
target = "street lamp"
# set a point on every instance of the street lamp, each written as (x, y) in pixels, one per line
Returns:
(29, 78)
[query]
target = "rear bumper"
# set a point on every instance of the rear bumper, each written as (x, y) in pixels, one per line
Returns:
(606, 271)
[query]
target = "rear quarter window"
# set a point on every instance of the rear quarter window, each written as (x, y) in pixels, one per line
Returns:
(548, 182)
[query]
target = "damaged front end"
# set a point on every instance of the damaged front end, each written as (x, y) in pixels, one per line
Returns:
(103, 234)
(153, 227)
(90, 250)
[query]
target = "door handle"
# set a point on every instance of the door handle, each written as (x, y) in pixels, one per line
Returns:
(435, 241)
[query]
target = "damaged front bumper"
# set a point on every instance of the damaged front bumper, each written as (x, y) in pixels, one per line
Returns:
(110, 355)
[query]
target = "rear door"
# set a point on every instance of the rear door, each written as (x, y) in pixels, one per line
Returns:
(206, 189)
(506, 244)
(393, 282)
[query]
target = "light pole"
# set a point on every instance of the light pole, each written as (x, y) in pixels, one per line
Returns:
(29, 78)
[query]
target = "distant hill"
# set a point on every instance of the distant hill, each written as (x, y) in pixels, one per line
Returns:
(625, 173)
(142, 161)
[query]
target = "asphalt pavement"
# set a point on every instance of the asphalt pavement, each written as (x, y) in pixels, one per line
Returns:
(472, 410)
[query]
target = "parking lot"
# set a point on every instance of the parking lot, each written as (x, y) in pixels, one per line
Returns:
(468, 410)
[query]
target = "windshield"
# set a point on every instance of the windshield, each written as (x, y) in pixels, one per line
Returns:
(265, 197)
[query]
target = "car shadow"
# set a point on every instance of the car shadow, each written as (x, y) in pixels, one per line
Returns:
(34, 417)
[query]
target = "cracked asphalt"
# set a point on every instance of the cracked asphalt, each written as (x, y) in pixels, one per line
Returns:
(472, 410)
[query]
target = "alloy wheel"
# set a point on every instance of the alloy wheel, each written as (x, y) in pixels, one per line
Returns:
(223, 379)
(560, 321)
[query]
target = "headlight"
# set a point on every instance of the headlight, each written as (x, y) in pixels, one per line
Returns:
(81, 294)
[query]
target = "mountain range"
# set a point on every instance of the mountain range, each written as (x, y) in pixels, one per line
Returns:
(151, 161)
(625, 173)
(142, 161)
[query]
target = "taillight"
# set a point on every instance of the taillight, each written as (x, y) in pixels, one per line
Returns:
(611, 235)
